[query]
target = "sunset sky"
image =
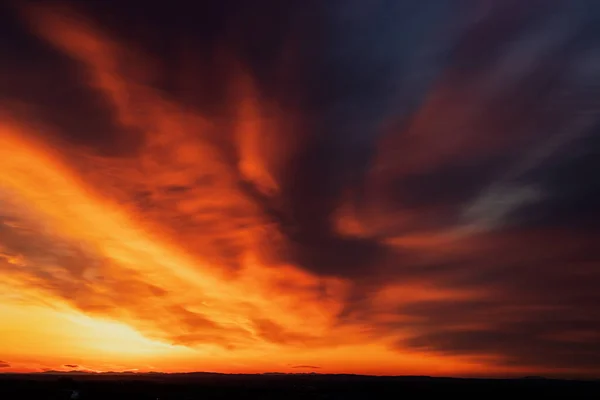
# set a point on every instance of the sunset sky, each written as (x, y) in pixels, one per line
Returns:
(345, 186)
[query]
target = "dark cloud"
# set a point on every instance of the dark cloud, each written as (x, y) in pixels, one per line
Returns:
(357, 85)
(522, 347)
(572, 194)
(39, 83)
(306, 366)
(536, 307)
(71, 365)
(4, 364)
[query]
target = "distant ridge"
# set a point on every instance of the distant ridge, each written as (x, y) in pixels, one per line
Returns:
(75, 372)
(275, 373)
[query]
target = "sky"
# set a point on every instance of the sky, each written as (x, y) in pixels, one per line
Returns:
(383, 187)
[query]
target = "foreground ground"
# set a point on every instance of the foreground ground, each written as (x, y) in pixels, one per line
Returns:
(272, 386)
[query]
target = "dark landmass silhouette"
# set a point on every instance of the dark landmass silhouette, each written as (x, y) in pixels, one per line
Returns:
(276, 385)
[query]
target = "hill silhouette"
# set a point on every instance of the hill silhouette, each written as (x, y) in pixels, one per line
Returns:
(210, 385)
